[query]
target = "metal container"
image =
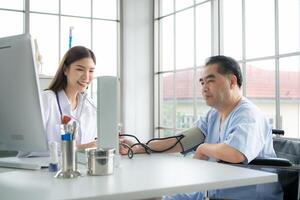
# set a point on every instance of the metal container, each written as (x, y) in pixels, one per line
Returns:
(100, 161)
(68, 155)
(69, 164)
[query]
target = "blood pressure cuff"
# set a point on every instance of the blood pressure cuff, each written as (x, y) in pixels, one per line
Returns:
(193, 137)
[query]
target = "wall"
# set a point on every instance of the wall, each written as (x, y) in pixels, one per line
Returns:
(137, 67)
(44, 81)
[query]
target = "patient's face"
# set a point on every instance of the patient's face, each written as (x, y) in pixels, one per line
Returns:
(215, 87)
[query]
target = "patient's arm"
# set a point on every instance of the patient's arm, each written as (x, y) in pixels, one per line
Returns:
(192, 138)
(156, 145)
(220, 151)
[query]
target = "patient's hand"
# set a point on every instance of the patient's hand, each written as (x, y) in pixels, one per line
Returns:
(199, 154)
(125, 144)
(86, 145)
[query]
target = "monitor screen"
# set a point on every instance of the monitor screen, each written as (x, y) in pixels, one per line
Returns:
(21, 119)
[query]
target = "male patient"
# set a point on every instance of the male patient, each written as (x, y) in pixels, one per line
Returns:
(234, 130)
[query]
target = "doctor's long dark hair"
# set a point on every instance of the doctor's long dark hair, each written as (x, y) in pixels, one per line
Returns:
(59, 82)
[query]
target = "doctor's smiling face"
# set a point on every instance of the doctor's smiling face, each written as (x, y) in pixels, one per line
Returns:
(80, 74)
(75, 71)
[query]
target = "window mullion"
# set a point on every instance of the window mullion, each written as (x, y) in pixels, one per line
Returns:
(26, 17)
(277, 77)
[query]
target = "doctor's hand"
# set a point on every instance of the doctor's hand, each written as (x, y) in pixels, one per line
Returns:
(199, 153)
(86, 145)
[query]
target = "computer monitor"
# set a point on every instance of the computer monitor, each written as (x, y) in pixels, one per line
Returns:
(21, 119)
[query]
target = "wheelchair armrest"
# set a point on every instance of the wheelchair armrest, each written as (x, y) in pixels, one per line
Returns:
(277, 132)
(282, 162)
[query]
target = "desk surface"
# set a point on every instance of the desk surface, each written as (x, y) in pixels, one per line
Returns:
(144, 176)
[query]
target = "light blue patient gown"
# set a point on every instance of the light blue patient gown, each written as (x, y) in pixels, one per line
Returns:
(245, 129)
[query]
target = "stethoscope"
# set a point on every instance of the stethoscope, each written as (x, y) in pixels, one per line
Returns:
(58, 104)
(77, 117)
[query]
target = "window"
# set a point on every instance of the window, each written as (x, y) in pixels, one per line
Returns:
(45, 30)
(266, 41)
(264, 36)
(289, 76)
(259, 28)
(260, 86)
(94, 23)
(183, 41)
(15, 25)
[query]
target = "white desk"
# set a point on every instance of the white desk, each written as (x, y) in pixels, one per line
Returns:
(145, 176)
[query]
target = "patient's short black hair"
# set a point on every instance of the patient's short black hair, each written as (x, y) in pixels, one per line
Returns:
(227, 65)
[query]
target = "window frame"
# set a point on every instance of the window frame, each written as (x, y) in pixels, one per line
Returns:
(217, 41)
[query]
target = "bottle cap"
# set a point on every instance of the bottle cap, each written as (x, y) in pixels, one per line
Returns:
(53, 167)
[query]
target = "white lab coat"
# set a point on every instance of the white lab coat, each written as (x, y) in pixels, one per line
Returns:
(85, 113)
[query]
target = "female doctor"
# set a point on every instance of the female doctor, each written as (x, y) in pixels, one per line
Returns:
(66, 96)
